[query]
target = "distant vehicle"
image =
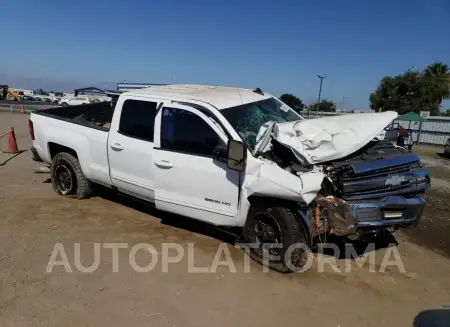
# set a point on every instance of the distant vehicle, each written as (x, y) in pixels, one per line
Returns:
(3, 92)
(14, 95)
(405, 139)
(447, 149)
(27, 98)
(394, 132)
(7, 93)
(40, 92)
(391, 132)
(74, 101)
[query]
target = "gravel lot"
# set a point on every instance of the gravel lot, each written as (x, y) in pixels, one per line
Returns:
(33, 219)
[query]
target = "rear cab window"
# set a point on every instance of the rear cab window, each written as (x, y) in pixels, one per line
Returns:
(137, 119)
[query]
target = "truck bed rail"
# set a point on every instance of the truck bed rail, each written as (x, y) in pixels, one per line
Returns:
(96, 115)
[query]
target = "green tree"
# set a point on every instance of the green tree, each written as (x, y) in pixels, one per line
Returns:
(324, 105)
(293, 102)
(437, 76)
(413, 91)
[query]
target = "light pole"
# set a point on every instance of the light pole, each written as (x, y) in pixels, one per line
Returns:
(343, 101)
(320, 92)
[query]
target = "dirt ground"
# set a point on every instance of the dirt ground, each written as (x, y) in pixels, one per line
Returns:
(33, 219)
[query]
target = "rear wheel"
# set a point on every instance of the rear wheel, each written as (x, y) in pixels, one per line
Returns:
(278, 239)
(68, 178)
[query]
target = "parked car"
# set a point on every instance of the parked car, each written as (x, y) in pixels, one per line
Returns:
(394, 132)
(405, 139)
(391, 132)
(237, 158)
(74, 101)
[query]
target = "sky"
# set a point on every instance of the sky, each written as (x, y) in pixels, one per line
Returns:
(279, 46)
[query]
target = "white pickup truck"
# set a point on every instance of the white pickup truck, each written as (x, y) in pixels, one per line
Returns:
(237, 158)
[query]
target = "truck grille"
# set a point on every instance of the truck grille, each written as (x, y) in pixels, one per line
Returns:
(402, 179)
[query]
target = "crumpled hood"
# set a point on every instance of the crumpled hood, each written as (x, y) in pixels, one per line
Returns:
(324, 139)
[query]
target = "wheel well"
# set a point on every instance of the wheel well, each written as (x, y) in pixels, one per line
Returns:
(297, 208)
(55, 148)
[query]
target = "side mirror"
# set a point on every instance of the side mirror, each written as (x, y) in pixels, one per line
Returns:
(237, 155)
(220, 152)
(432, 318)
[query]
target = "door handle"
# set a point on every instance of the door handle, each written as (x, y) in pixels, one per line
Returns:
(164, 164)
(117, 146)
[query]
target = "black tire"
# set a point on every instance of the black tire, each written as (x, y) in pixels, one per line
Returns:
(291, 231)
(65, 167)
(64, 104)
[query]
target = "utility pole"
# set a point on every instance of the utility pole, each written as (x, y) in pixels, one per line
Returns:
(320, 92)
(343, 101)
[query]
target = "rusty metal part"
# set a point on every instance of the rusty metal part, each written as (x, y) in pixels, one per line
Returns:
(335, 213)
(319, 223)
(317, 216)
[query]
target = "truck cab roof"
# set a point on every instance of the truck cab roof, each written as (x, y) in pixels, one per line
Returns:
(218, 96)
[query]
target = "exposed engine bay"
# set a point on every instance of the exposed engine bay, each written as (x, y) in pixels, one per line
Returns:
(376, 172)
(341, 170)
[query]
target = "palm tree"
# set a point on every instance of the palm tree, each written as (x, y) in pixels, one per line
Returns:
(437, 69)
(438, 78)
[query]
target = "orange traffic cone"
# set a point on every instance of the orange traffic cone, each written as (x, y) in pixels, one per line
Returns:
(12, 143)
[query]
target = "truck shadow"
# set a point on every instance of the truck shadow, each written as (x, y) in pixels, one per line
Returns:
(334, 246)
(227, 235)
(341, 248)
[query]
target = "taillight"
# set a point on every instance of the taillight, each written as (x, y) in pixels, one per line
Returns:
(30, 125)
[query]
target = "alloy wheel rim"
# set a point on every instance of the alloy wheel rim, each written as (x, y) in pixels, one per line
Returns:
(64, 179)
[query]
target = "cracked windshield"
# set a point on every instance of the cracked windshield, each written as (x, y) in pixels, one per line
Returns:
(247, 119)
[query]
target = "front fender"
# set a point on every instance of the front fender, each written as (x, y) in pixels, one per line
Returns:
(265, 179)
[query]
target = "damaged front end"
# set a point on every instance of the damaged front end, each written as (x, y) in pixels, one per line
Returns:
(379, 187)
(375, 188)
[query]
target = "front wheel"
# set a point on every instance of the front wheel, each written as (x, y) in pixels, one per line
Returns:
(277, 238)
(68, 178)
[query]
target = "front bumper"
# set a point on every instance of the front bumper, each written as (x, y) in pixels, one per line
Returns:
(405, 212)
(350, 218)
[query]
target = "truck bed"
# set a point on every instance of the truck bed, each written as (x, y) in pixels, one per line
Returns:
(96, 115)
